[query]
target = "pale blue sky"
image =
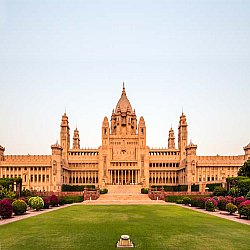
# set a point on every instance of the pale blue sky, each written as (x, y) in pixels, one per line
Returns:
(170, 54)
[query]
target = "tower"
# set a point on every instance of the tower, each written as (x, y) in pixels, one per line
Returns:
(105, 132)
(182, 136)
(123, 119)
(65, 136)
(190, 164)
(247, 151)
(142, 132)
(57, 171)
(171, 139)
(2, 149)
(76, 140)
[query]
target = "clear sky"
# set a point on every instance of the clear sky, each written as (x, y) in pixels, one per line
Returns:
(170, 54)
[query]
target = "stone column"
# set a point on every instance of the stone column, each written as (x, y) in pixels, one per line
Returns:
(132, 176)
(125, 176)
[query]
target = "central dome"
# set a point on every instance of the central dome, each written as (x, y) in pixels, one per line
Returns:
(123, 104)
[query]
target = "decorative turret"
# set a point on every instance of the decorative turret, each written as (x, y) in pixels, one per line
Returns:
(247, 151)
(142, 132)
(182, 136)
(2, 149)
(105, 131)
(76, 139)
(123, 119)
(190, 164)
(171, 139)
(56, 166)
(56, 149)
(65, 136)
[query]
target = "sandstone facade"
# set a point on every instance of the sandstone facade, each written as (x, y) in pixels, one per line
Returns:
(123, 158)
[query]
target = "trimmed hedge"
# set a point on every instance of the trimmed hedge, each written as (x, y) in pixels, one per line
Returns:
(244, 186)
(75, 188)
(195, 188)
(174, 198)
(178, 188)
(73, 199)
(213, 185)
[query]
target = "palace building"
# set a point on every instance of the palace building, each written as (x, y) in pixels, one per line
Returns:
(123, 158)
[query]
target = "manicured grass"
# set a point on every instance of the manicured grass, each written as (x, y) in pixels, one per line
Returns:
(100, 227)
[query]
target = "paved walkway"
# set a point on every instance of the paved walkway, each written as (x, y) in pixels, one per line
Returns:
(222, 214)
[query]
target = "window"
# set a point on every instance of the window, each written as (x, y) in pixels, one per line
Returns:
(31, 168)
(31, 178)
(47, 178)
(25, 168)
(142, 131)
(35, 168)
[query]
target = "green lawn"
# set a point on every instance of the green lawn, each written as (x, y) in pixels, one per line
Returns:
(100, 227)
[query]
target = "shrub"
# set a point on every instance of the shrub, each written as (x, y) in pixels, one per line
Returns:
(248, 196)
(61, 200)
(244, 209)
(25, 192)
(144, 190)
(174, 198)
(212, 186)
(19, 207)
(230, 198)
(24, 199)
(37, 203)
(179, 202)
(211, 204)
(171, 188)
(8, 199)
(234, 192)
(222, 202)
(54, 201)
(30, 200)
(186, 200)
(219, 191)
(216, 198)
(194, 201)
(6, 209)
(195, 188)
(103, 191)
(69, 199)
(201, 202)
(244, 186)
(74, 188)
(231, 208)
(239, 200)
(73, 199)
(46, 202)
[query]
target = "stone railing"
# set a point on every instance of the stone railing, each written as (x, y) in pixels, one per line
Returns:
(154, 194)
(49, 193)
(94, 195)
(187, 193)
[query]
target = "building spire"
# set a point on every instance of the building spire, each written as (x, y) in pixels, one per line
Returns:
(123, 90)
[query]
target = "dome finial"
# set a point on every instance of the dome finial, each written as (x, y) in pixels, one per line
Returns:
(123, 90)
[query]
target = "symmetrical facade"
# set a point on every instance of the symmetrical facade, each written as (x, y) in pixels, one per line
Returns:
(123, 158)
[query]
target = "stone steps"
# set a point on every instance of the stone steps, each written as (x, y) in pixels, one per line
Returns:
(121, 189)
(124, 199)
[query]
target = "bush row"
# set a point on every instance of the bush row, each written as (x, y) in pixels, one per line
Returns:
(8, 206)
(227, 203)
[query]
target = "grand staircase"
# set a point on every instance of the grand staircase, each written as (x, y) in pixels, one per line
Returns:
(124, 195)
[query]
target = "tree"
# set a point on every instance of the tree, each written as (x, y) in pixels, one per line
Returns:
(245, 169)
